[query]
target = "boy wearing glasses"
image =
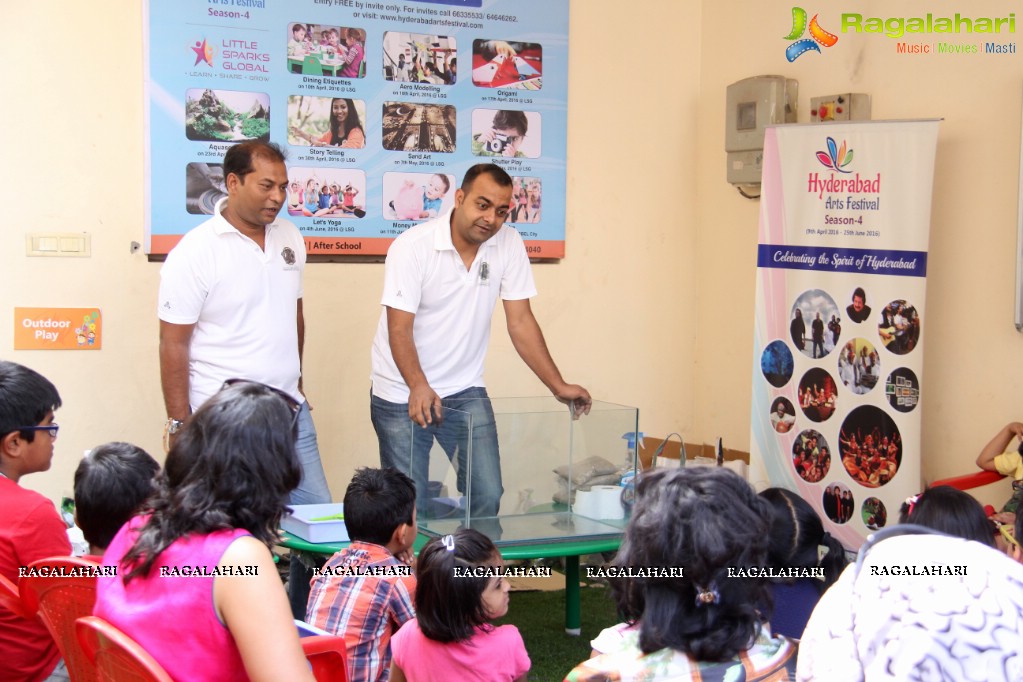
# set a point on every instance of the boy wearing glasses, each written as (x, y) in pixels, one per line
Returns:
(30, 528)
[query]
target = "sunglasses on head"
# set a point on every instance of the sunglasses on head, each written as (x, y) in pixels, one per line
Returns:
(293, 405)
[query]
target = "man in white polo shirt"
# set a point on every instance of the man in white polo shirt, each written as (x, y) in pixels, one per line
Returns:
(230, 306)
(442, 279)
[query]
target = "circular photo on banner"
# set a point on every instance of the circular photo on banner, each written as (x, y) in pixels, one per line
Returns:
(776, 363)
(858, 311)
(815, 323)
(870, 446)
(902, 389)
(859, 366)
(811, 456)
(817, 394)
(899, 327)
(874, 514)
(838, 502)
(783, 415)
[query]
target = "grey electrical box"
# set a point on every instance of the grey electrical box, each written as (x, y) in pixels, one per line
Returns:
(751, 105)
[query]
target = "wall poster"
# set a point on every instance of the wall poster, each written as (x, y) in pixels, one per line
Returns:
(381, 107)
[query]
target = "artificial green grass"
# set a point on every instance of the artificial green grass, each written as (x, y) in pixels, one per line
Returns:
(540, 617)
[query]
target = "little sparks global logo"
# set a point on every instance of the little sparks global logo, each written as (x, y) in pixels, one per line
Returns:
(836, 158)
(203, 52)
(818, 36)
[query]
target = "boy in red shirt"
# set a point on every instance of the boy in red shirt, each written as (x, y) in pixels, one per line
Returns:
(30, 528)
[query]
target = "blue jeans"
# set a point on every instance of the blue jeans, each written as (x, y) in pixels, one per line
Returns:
(395, 432)
(312, 490)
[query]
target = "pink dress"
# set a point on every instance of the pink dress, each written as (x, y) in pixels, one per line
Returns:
(493, 654)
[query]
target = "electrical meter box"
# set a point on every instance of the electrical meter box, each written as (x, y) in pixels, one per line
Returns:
(752, 104)
(850, 106)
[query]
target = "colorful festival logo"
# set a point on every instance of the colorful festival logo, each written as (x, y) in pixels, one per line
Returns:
(204, 52)
(818, 36)
(836, 158)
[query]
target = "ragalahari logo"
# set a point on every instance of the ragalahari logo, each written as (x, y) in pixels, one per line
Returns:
(818, 36)
(203, 52)
(836, 158)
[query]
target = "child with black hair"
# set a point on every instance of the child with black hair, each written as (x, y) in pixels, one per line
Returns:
(111, 483)
(708, 623)
(798, 541)
(452, 637)
(364, 593)
(950, 511)
(30, 528)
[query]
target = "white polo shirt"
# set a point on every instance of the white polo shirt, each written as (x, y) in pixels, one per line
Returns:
(424, 275)
(243, 301)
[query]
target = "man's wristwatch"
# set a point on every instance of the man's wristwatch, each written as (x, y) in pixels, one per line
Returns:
(173, 426)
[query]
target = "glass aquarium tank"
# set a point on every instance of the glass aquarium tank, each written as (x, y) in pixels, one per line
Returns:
(526, 471)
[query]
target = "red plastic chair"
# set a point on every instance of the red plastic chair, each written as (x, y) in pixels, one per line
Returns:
(61, 600)
(117, 657)
(326, 656)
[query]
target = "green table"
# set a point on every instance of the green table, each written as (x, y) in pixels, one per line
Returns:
(570, 548)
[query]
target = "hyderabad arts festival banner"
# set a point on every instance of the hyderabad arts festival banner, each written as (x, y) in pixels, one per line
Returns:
(840, 316)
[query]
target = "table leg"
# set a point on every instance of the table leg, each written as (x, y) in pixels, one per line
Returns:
(572, 616)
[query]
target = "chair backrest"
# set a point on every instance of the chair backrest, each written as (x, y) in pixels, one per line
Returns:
(10, 599)
(311, 66)
(326, 656)
(63, 589)
(117, 657)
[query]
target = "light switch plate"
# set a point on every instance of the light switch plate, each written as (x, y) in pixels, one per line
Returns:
(73, 244)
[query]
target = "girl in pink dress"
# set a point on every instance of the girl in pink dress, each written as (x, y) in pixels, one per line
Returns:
(460, 588)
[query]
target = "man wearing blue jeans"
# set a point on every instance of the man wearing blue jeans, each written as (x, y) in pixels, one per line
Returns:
(442, 280)
(227, 291)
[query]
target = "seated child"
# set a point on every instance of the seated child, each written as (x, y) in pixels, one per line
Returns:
(295, 200)
(451, 637)
(433, 195)
(196, 584)
(30, 528)
(347, 600)
(703, 625)
(950, 511)
(111, 483)
(878, 623)
(997, 457)
(798, 540)
(348, 198)
(299, 44)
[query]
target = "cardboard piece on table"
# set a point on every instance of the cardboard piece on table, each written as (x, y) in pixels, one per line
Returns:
(672, 450)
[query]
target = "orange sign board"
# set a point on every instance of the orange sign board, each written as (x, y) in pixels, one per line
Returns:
(57, 329)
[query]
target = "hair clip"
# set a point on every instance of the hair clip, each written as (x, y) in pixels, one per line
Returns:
(707, 596)
(911, 501)
(449, 542)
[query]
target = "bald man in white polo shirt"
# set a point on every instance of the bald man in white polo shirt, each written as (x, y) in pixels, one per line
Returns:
(442, 280)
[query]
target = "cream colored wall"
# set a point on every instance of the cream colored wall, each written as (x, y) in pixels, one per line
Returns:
(972, 372)
(618, 312)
